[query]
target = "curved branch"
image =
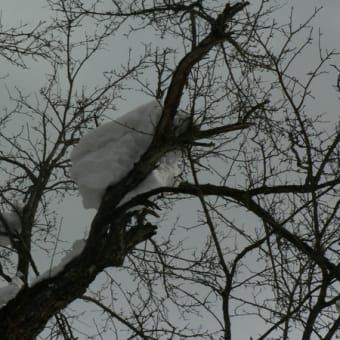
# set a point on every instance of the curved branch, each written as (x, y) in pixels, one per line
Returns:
(243, 197)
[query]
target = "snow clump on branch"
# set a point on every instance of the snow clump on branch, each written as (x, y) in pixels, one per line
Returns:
(106, 154)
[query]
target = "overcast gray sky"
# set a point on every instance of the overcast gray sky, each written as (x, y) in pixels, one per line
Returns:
(16, 11)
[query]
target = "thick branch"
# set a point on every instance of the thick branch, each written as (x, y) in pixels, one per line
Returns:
(244, 197)
(219, 130)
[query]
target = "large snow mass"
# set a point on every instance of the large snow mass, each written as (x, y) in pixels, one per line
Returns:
(106, 154)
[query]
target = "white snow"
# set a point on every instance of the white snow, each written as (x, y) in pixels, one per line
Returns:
(164, 175)
(9, 292)
(13, 222)
(107, 153)
(77, 248)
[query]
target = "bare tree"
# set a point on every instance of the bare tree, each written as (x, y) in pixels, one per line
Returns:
(260, 177)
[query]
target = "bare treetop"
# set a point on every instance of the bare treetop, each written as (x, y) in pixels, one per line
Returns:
(243, 229)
